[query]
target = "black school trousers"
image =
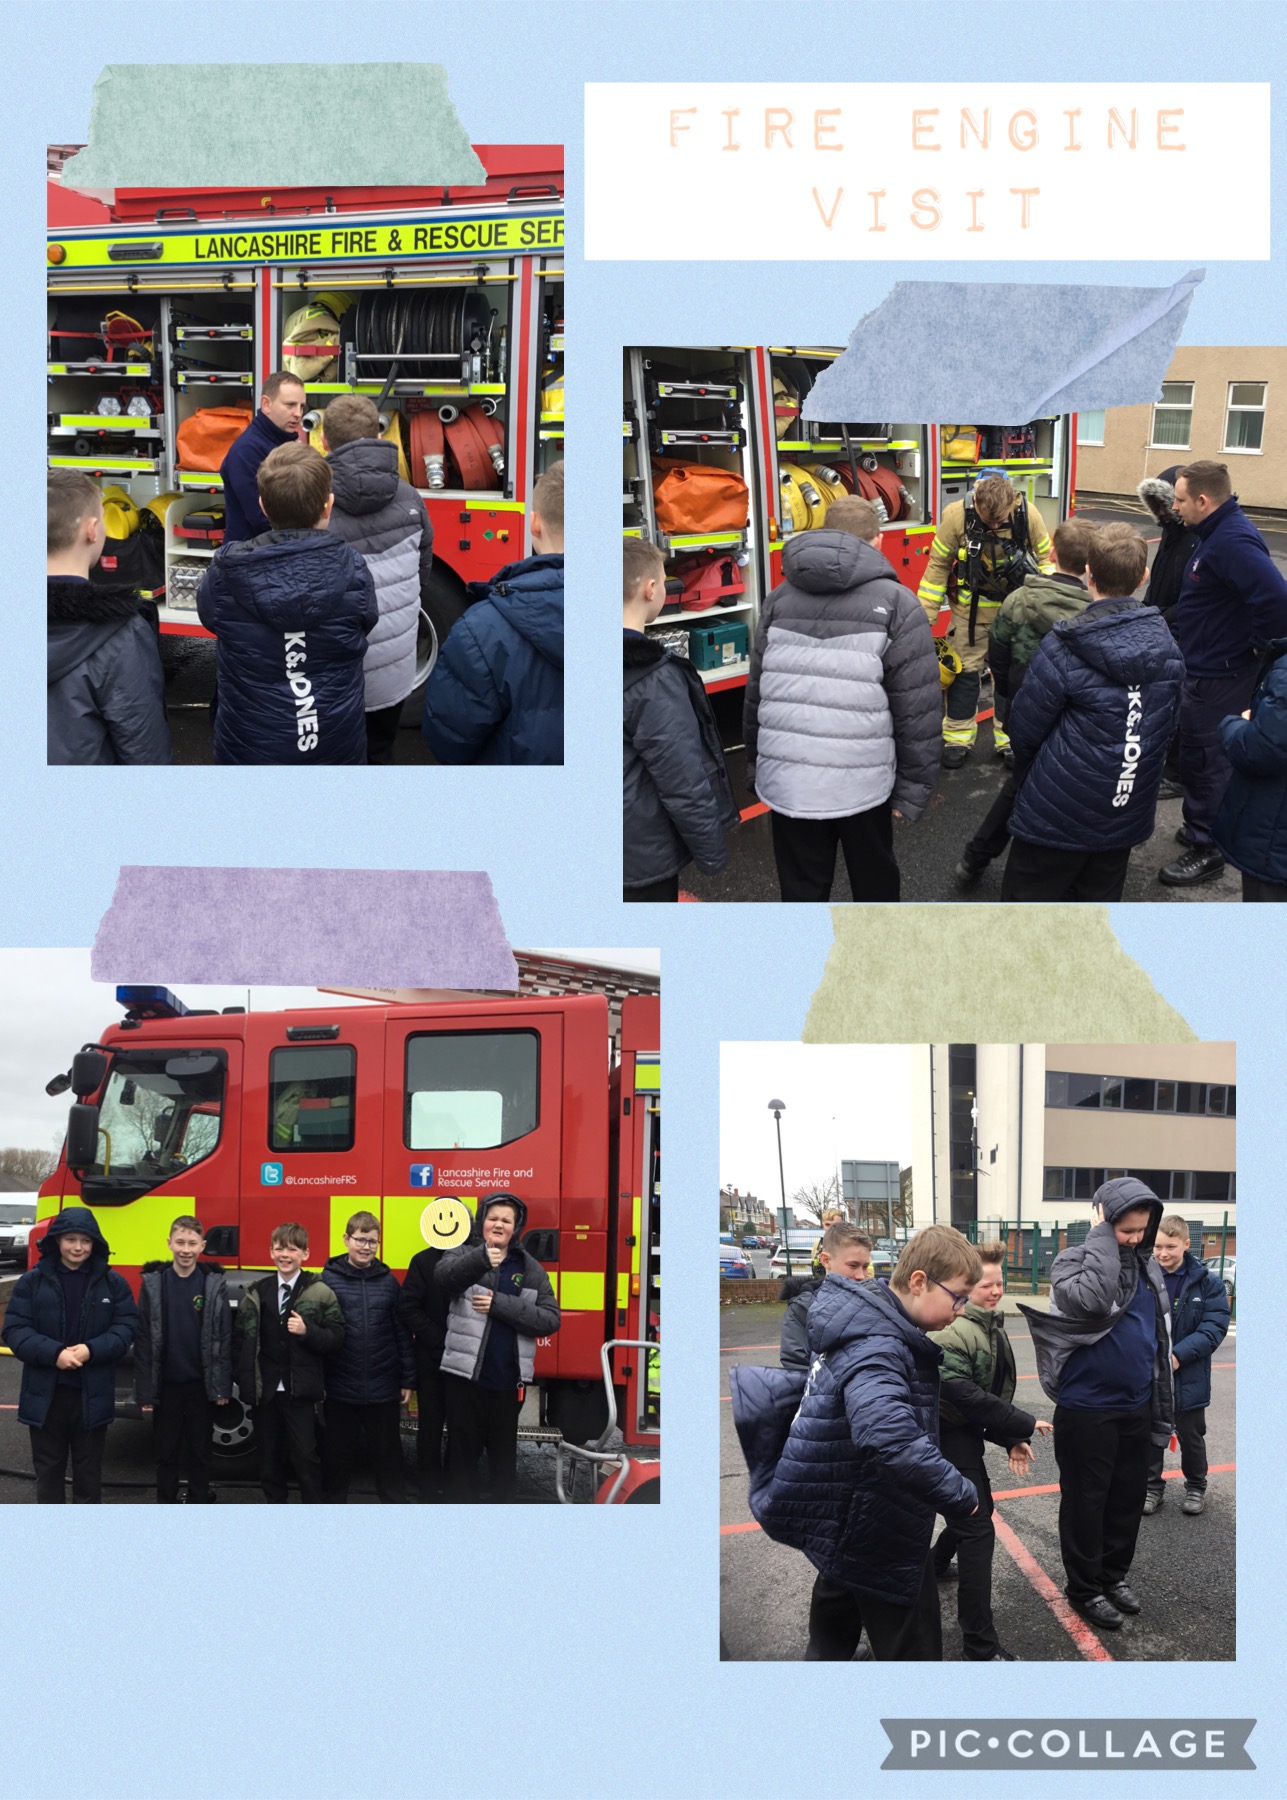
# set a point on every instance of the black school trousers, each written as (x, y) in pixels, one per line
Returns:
(288, 1433)
(183, 1432)
(1191, 1430)
(665, 889)
(481, 1421)
(838, 1616)
(63, 1434)
(805, 853)
(1103, 1459)
(347, 1423)
(1033, 872)
(971, 1541)
(431, 1421)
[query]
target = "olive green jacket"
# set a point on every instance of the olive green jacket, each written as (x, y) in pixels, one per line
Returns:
(978, 1378)
(297, 1359)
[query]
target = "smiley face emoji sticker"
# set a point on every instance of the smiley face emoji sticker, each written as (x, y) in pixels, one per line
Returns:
(445, 1223)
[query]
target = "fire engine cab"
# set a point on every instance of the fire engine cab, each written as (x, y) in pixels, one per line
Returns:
(247, 1119)
(444, 305)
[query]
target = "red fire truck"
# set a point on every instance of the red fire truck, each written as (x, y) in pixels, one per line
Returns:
(737, 408)
(250, 1118)
(446, 305)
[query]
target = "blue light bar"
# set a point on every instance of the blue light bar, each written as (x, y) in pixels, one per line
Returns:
(150, 1003)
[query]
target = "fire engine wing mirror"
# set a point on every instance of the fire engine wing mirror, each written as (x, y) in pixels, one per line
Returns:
(88, 1073)
(60, 1084)
(82, 1136)
(179, 1066)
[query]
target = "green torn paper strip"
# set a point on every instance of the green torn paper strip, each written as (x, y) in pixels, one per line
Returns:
(1035, 974)
(274, 124)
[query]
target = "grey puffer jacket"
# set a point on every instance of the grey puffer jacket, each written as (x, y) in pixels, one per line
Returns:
(677, 797)
(1092, 1285)
(531, 1314)
(106, 688)
(843, 702)
(384, 520)
(216, 1334)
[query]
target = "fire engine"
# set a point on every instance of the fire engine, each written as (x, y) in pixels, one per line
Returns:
(737, 408)
(247, 1119)
(445, 305)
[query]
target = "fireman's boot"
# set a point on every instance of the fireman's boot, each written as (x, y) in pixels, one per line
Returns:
(960, 724)
(1000, 736)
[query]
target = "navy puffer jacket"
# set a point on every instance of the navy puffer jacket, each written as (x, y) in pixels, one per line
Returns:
(1251, 826)
(1199, 1323)
(496, 692)
(375, 1361)
(36, 1328)
(677, 800)
(239, 472)
(1233, 599)
(861, 1477)
(291, 611)
(1090, 726)
(106, 686)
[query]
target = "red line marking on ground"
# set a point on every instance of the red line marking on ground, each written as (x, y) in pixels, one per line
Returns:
(1078, 1630)
(692, 897)
(750, 1525)
(732, 1349)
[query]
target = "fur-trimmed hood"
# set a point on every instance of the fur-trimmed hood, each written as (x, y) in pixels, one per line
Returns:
(1158, 494)
(73, 602)
(641, 654)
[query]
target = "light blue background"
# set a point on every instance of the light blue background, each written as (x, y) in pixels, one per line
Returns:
(558, 1652)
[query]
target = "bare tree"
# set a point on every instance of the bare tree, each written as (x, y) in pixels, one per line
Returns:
(22, 1171)
(813, 1196)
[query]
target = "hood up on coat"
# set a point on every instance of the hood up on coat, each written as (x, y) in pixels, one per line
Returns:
(832, 562)
(1158, 494)
(520, 1224)
(364, 474)
(1120, 639)
(529, 597)
(75, 1218)
(1121, 1195)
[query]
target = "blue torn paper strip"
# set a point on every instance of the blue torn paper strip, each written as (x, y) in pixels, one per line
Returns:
(295, 125)
(305, 927)
(996, 353)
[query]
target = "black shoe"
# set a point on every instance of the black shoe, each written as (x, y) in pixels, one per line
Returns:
(1153, 1502)
(1122, 1597)
(1185, 836)
(1099, 1611)
(970, 870)
(1004, 754)
(1194, 1501)
(1202, 863)
(1170, 790)
(954, 755)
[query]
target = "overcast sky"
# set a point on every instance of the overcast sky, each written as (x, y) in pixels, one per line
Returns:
(49, 1007)
(843, 1103)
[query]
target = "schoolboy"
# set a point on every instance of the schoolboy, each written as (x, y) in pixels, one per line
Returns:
(500, 1302)
(842, 1248)
(69, 1322)
(978, 1382)
(677, 798)
(1104, 1357)
(1199, 1322)
(183, 1358)
(1024, 619)
(291, 610)
(1090, 727)
(383, 518)
(368, 1379)
(860, 1478)
(496, 691)
(423, 1309)
(287, 1325)
(106, 690)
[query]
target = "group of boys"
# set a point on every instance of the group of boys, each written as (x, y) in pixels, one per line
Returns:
(315, 598)
(461, 1331)
(877, 1421)
(844, 721)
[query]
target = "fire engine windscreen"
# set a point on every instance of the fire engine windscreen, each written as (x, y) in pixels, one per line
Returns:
(471, 1090)
(310, 1098)
(160, 1114)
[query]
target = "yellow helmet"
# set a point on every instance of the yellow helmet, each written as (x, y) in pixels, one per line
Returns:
(120, 515)
(949, 663)
(312, 324)
(161, 505)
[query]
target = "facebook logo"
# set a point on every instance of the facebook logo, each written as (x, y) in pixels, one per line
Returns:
(270, 1174)
(422, 1175)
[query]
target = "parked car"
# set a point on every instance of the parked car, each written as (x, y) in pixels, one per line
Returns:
(1225, 1271)
(17, 1216)
(734, 1264)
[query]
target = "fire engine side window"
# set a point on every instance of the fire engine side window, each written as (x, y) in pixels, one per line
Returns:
(160, 1113)
(471, 1090)
(310, 1098)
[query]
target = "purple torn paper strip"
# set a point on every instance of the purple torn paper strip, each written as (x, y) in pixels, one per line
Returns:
(304, 927)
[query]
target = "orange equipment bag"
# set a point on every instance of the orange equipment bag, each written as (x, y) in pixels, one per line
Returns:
(697, 497)
(205, 438)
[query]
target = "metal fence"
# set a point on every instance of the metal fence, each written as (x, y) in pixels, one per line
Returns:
(1031, 1248)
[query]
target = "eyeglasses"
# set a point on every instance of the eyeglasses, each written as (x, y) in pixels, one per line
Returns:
(959, 1301)
(365, 1243)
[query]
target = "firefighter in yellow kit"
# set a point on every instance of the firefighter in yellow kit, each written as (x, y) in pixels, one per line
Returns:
(992, 540)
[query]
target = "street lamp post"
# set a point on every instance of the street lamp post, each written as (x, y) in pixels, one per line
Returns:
(777, 1108)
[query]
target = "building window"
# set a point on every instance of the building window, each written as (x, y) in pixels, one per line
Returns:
(962, 1150)
(1139, 1094)
(1244, 421)
(1173, 416)
(1132, 1093)
(1090, 427)
(1207, 1187)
